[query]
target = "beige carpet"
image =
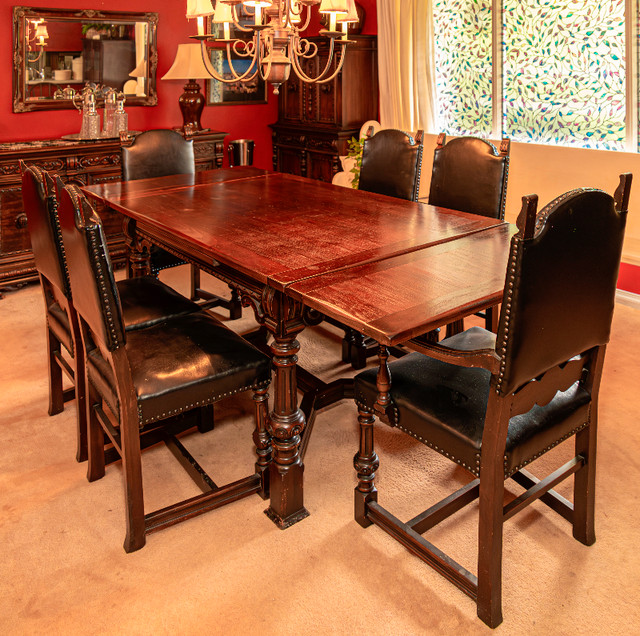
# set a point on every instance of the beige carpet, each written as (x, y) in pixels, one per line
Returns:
(231, 571)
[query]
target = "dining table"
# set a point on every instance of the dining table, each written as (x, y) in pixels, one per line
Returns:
(295, 248)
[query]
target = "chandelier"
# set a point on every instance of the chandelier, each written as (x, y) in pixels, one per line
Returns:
(272, 44)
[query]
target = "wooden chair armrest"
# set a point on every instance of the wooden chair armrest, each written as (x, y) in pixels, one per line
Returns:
(483, 358)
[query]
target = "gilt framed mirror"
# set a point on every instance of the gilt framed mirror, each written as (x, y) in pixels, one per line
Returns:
(56, 52)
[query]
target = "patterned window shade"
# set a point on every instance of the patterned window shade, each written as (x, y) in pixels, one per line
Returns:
(462, 36)
(564, 72)
(562, 67)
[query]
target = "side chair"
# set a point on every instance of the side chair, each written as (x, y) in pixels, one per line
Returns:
(495, 403)
(470, 174)
(145, 300)
(161, 153)
(391, 165)
(139, 380)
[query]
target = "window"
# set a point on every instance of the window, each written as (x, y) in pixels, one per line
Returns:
(563, 71)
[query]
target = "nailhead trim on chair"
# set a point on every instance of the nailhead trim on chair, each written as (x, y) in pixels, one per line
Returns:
(542, 452)
(115, 343)
(544, 214)
(506, 310)
(199, 403)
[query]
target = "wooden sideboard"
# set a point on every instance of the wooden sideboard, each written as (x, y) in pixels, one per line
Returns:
(316, 121)
(83, 163)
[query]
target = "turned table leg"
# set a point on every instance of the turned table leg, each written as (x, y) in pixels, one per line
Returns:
(286, 421)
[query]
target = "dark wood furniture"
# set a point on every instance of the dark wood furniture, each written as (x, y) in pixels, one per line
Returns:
(140, 380)
(145, 301)
(158, 153)
(316, 121)
(262, 232)
(494, 404)
(82, 163)
(470, 174)
(391, 163)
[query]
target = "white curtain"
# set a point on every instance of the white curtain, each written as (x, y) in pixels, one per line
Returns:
(405, 65)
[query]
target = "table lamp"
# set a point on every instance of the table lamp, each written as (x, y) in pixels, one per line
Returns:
(189, 66)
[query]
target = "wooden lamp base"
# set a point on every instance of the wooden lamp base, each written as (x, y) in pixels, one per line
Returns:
(191, 105)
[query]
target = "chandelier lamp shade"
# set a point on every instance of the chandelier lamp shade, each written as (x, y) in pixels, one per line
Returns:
(188, 66)
(266, 40)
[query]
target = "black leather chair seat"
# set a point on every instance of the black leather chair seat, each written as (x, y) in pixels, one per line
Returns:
(204, 358)
(146, 301)
(446, 405)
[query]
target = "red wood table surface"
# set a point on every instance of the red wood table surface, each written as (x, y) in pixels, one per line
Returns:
(401, 297)
(262, 232)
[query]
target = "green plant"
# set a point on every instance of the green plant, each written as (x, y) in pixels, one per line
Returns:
(355, 151)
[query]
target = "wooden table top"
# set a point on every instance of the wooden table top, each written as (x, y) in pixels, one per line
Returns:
(401, 297)
(279, 228)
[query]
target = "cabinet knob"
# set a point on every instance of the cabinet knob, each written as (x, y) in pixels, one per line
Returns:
(21, 221)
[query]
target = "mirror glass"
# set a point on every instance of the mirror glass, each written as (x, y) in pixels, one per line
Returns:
(59, 51)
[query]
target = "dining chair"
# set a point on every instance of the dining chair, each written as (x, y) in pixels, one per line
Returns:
(145, 300)
(161, 153)
(140, 380)
(495, 403)
(470, 174)
(391, 165)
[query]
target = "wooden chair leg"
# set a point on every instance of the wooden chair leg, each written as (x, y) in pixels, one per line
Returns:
(95, 437)
(489, 599)
(81, 404)
(195, 282)
(358, 355)
(492, 316)
(235, 307)
(347, 341)
(366, 464)
(132, 469)
(262, 439)
(584, 486)
(56, 398)
(455, 327)
(206, 419)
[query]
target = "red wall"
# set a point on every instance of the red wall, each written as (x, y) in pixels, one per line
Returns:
(173, 28)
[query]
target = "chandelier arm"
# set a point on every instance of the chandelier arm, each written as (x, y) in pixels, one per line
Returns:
(320, 79)
(264, 73)
(311, 48)
(236, 21)
(215, 75)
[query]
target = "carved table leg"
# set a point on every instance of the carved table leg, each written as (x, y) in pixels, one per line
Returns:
(138, 262)
(283, 317)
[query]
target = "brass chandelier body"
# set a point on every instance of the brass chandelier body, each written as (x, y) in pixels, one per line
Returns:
(274, 44)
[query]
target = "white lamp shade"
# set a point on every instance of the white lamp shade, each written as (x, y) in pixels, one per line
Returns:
(333, 6)
(188, 64)
(223, 13)
(352, 15)
(197, 8)
(41, 31)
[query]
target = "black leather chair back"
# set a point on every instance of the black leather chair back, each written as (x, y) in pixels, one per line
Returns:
(157, 153)
(93, 286)
(561, 283)
(391, 163)
(39, 205)
(470, 174)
